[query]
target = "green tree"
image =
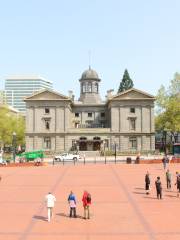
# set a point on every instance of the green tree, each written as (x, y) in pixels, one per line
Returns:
(126, 82)
(10, 123)
(168, 108)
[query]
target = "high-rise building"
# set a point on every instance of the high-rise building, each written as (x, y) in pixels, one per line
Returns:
(19, 87)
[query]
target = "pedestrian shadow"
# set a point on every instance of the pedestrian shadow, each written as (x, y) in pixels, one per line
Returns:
(67, 215)
(40, 218)
(171, 196)
(139, 193)
(149, 197)
(139, 188)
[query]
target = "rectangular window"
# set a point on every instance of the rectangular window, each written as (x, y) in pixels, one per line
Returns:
(47, 143)
(106, 142)
(132, 110)
(133, 143)
(76, 114)
(89, 114)
(103, 114)
(47, 124)
(47, 111)
(132, 122)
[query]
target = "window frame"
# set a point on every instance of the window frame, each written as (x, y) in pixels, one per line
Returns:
(132, 124)
(132, 110)
(133, 143)
(76, 114)
(47, 143)
(90, 114)
(47, 124)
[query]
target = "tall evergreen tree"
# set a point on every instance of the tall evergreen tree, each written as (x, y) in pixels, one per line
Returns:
(126, 82)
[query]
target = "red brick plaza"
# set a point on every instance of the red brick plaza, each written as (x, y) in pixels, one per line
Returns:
(120, 209)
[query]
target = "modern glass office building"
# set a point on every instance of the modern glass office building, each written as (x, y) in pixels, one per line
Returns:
(19, 87)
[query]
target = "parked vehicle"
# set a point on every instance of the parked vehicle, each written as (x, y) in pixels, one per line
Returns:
(67, 157)
(3, 162)
(31, 156)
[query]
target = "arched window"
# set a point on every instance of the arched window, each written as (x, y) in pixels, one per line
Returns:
(96, 138)
(96, 87)
(83, 87)
(89, 87)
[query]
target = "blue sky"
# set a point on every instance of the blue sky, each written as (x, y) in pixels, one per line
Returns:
(53, 38)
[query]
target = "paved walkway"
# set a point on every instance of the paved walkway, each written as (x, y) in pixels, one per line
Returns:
(120, 208)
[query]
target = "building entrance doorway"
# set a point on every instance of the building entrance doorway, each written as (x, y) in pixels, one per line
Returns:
(83, 144)
(96, 144)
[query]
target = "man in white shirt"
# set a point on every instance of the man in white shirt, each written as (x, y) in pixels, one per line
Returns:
(50, 200)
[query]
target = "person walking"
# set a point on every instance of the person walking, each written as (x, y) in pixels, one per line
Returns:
(168, 179)
(86, 199)
(158, 188)
(72, 204)
(165, 160)
(178, 183)
(147, 183)
(50, 200)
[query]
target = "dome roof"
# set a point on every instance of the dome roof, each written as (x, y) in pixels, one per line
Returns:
(90, 74)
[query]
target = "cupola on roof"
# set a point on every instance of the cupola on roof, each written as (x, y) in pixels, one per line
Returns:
(89, 74)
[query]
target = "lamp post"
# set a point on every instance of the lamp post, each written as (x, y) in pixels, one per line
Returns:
(104, 151)
(14, 145)
(115, 151)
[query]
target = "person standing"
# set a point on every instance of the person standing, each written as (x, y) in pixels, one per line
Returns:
(147, 183)
(158, 188)
(72, 204)
(168, 179)
(178, 183)
(50, 200)
(86, 199)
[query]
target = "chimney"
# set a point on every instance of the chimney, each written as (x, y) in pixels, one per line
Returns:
(109, 93)
(70, 94)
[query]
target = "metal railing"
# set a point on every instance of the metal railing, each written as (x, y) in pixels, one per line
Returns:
(93, 125)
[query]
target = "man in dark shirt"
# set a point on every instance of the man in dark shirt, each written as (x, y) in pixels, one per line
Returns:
(158, 188)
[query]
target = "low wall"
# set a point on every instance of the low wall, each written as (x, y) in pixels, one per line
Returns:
(150, 161)
(25, 164)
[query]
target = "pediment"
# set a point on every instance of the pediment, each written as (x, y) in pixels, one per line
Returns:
(132, 94)
(47, 95)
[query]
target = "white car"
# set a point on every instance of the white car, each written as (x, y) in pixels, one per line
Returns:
(67, 157)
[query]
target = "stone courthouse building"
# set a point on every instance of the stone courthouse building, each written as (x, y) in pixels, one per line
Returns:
(59, 123)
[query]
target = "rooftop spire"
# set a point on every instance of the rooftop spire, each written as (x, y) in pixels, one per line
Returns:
(89, 53)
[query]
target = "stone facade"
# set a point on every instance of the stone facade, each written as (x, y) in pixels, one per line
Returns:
(59, 123)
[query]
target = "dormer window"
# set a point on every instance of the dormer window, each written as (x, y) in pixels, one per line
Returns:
(47, 110)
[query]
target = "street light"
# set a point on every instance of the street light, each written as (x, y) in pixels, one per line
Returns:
(14, 145)
(104, 143)
(115, 151)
